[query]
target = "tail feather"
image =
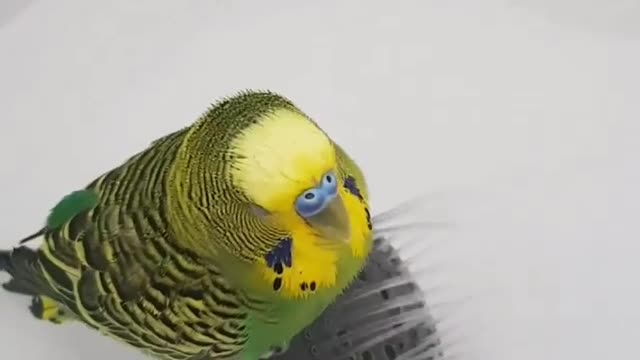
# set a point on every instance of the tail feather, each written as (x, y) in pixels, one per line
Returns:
(5, 260)
(22, 264)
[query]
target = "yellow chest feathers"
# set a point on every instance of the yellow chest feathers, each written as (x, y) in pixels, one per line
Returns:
(304, 263)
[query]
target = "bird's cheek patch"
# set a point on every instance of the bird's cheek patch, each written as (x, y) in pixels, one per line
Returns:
(357, 204)
(277, 259)
(280, 256)
(351, 185)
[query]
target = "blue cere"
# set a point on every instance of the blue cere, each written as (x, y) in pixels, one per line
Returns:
(329, 184)
(313, 201)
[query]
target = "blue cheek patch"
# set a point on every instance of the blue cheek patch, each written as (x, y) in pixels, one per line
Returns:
(352, 187)
(280, 256)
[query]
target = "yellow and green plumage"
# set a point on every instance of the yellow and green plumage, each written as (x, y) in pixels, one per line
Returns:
(202, 246)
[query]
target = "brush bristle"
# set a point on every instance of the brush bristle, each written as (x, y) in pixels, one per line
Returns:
(382, 316)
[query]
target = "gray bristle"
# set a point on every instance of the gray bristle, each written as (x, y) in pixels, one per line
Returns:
(382, 316)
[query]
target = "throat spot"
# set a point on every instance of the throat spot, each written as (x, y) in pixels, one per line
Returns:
(311, 270)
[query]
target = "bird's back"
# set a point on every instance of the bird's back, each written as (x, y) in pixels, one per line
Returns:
(117, 268)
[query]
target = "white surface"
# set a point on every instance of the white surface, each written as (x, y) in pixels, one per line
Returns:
(524, 112)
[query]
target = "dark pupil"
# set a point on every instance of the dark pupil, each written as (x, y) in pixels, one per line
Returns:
(329, 179)
(309, 196)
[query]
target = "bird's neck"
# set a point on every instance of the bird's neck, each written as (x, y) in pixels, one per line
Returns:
(206, 212)
(189, 185)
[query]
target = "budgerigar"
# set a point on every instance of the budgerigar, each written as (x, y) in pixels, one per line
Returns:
(222, 240)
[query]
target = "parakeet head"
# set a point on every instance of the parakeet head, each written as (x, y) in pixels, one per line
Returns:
(294, 202)
(288, 169)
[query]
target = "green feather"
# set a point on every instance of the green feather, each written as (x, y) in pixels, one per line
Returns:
(70, 206)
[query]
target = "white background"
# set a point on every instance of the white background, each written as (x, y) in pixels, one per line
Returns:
(521, 115)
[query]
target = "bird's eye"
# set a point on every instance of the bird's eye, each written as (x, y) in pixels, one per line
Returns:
(310, 202)
(329, 183)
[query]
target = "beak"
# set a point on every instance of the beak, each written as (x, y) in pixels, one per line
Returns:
(333, 221)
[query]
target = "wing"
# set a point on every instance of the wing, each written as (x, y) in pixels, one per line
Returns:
(116, 267)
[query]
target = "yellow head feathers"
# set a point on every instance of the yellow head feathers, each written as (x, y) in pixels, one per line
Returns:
(279, 156)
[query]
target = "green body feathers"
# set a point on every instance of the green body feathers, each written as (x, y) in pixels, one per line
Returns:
(166, 252)
(70, 206)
